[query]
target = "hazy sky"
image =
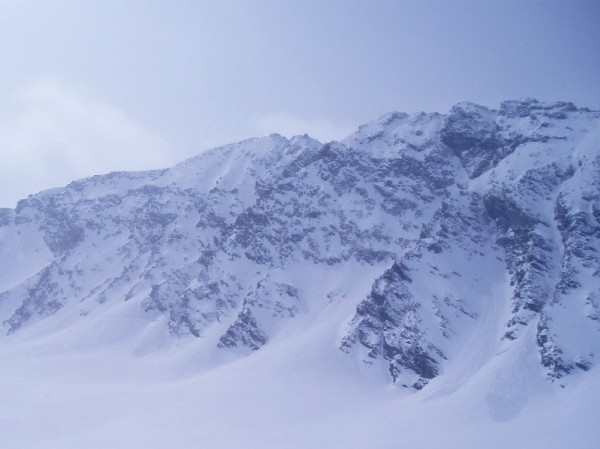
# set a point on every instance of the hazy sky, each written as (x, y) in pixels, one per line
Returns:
(88, 87)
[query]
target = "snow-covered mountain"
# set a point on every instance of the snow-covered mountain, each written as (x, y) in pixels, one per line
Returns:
(423, 256)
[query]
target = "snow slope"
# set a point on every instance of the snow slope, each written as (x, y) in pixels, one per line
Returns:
(432, 280)
(284, 396)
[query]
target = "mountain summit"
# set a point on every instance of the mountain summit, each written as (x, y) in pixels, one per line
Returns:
(421, 251)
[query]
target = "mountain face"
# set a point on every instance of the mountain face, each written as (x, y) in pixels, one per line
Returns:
(422, 240)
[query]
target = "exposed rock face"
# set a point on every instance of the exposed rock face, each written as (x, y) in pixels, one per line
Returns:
(477, 220)
(473, 135)
(387, 323)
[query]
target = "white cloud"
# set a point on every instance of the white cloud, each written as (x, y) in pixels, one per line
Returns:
(289, 125)
(50, 137)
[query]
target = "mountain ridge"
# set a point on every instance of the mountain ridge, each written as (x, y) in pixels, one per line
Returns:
(475, 218)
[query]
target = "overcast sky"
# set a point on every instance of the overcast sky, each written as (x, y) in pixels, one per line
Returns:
(88, 87)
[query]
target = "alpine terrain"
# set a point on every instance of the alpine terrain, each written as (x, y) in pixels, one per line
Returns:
(430, 281)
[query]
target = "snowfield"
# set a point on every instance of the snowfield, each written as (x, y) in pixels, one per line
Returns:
(296, 393)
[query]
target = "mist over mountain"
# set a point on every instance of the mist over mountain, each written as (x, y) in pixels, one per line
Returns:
(362, 291)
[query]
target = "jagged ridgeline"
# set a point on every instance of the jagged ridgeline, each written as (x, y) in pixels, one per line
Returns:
(475, 233)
